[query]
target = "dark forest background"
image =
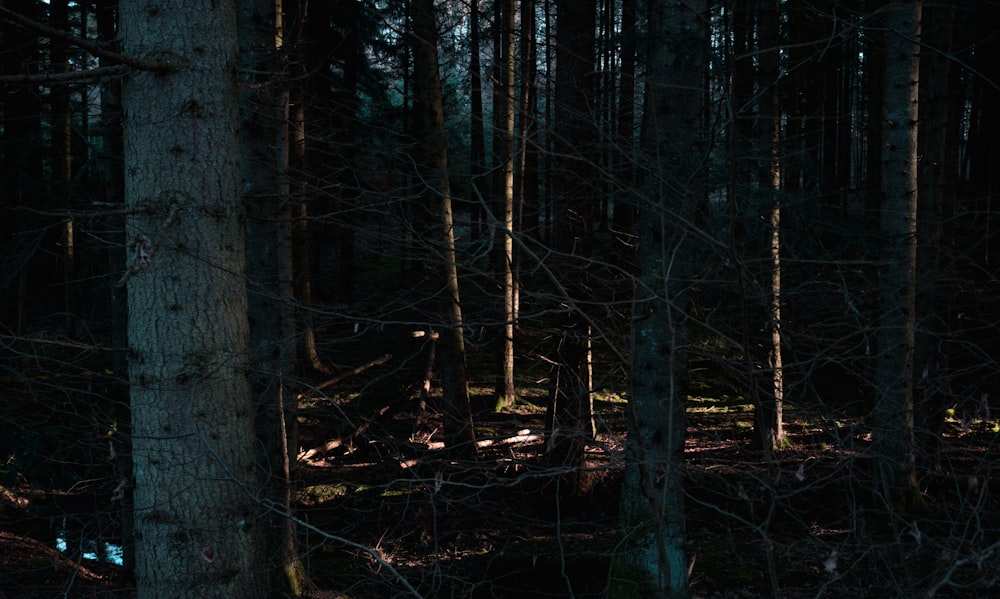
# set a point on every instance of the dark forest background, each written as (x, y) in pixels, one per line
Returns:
(838, 364)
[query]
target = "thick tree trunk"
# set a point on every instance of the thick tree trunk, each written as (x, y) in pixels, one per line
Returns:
(429, 113)
(893, 449)
(196, 513)
(652, 507)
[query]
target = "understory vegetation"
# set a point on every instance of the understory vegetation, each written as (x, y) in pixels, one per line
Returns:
(383, 511)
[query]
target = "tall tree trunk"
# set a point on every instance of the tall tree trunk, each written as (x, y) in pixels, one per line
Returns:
(350, 55)
(526, 173)
(22, 165)
(652, 506)
(196, 510)
(984, 136)
(110, 163)
(503, 144)
(545, 210)
(893, 428)
(477, 138)
(265, 147)
(303, 238)
(574, 198)
(429, 114)
(770, 422)
(938, 171)
(623, 211)
(62, 158)
(874, 66)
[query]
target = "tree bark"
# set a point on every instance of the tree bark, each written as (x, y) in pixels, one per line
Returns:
(196, 513)
(893, 447)
(429, 114)
(623, 210)
(770, 421)
(504, 151)
(673, 149)
(62, 158)
(477, 137)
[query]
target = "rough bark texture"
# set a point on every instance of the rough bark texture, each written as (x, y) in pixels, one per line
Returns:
(196, 512)
(893, 428)
(429, 113)
(504, 151)
(771, 421)
(652, 509)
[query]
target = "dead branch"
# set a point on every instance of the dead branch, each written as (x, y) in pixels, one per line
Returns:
(339, 441)
(85, 76)
(333, 381)
(97, 49)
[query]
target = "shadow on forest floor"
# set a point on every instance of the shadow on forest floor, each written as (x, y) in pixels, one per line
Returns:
(800, 524)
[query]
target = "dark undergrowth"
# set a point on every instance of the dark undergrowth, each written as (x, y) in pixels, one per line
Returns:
(385, 512)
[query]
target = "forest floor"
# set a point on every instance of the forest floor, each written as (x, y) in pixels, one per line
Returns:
(385, 512)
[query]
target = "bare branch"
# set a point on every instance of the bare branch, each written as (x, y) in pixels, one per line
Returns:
(88, 75)
(95, 48)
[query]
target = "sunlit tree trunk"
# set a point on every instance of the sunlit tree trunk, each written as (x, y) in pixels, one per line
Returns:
(265, 146)
(429, 115)
(503, 144)
(769, 420)
(673, 150)
(196, 511)
(893, 419)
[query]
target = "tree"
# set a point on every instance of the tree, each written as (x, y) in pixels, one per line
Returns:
(270, 293)
(477, 137)
(196, 512)
(895, 475)
(771, 422)
(569, 414)
(652, 507)
(503, 144)
(527, 175)
(62, 158)
(429, 115)
(938, 136)
(623, 211)
(22, 171)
